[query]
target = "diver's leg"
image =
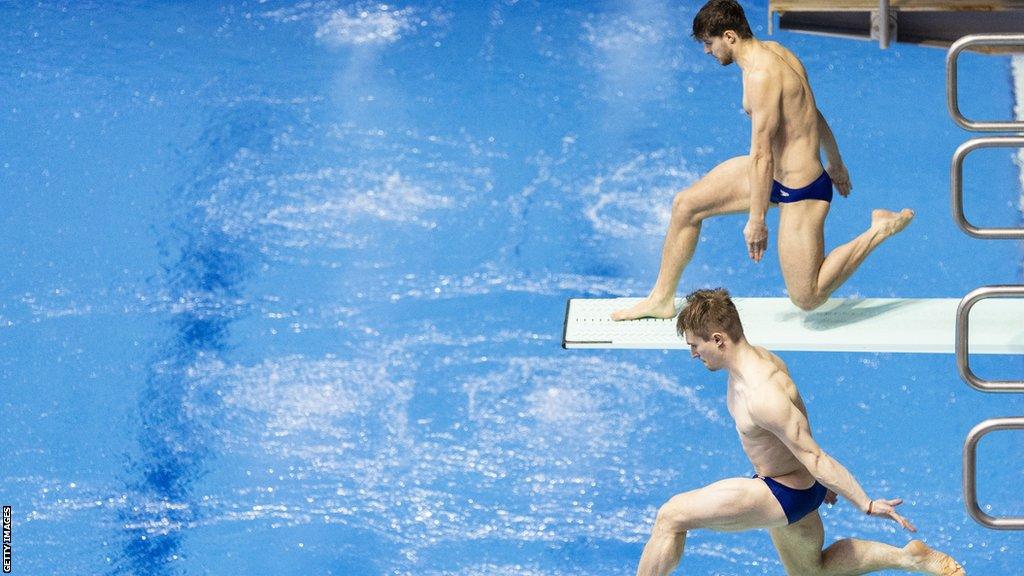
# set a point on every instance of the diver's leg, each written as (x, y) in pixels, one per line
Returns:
(723, 190)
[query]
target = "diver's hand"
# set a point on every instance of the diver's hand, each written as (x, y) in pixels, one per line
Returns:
(887, 509)
(840, 178)
(756, 235)
(830, 497)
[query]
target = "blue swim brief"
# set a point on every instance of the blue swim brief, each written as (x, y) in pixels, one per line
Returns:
(796, 503)
(820, 189)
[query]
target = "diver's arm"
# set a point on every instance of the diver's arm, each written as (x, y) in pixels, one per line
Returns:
(776, 413)
(835, 167)
(765, 100)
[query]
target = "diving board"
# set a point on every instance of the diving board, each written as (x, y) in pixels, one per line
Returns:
(928, 22)
(913, 325)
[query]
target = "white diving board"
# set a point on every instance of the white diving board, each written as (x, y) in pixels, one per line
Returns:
(913, 325)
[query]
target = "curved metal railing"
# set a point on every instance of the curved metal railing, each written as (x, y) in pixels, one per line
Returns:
(970, 471)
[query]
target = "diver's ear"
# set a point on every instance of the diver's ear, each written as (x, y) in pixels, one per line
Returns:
(718, 339)
(730, 36)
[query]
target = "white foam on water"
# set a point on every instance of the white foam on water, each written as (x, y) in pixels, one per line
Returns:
(636, 52)
(642, 38)
(337, 196)
(407, 180)
(492, 279)
(54, 303)
(491, 569)
(560, 392)
(324, 402)
(363, 24)
(634, 199)
(268, 100)
(358, 27)
(621, 34)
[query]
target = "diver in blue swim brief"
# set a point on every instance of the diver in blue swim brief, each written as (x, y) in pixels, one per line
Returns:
(771, 419)
(791, 144)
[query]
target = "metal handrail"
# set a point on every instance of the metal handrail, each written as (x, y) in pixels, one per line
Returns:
(962, 344)
(951, 86)
(956, 185)
(970, 474)
(962, 338)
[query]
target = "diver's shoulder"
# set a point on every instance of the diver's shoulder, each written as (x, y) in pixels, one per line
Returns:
(767, 362)
(777, 48)
(772, 366)
(782, 53)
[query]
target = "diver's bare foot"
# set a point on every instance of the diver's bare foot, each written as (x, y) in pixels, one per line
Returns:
(932, 561)
(888, 222)
(646, 308)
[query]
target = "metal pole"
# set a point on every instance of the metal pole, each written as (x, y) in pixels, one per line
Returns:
(883, 24)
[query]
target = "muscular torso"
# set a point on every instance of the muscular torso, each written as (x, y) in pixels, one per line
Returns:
(766, 452)
(795, 144)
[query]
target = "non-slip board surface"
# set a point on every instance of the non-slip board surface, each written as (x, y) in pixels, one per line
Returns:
(915, 325)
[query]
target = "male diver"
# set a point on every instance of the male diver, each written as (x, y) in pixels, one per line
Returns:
(783, 169)
(794, 475)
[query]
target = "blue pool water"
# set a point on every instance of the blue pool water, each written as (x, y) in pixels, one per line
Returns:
(284, 284)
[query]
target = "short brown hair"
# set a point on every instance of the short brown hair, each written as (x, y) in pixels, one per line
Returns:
(710, 311)
(717, 16)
